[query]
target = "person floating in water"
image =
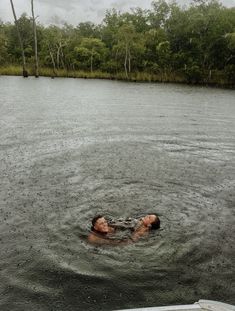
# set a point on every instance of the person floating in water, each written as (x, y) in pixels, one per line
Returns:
(103, 232)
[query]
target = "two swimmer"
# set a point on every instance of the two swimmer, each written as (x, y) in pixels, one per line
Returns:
(102, 231)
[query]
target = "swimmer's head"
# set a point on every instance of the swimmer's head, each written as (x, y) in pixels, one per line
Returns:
(156, 224)
(100, 224)
(152, 221)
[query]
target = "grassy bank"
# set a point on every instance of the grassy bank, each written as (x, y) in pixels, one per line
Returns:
(217, 78)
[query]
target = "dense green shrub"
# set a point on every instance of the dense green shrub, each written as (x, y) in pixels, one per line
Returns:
(195, 44)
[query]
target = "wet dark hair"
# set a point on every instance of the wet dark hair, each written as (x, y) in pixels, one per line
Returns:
(94, 220)
(156, 224)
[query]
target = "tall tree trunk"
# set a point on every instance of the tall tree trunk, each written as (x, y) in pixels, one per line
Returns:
(53, 61)
(116, 57)
(25, 72)
(129, 61)
(58, 57)
(73, 67)
(62, 59)
(91, 61)
(125, 63)
(35, 42)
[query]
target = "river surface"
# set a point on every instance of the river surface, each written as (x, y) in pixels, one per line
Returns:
(72, 148)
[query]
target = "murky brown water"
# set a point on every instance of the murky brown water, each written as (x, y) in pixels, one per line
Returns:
(72, 148)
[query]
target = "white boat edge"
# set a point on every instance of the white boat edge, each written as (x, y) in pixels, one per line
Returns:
(203, 305)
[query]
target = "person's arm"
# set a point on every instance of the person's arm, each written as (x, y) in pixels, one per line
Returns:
(139, 232)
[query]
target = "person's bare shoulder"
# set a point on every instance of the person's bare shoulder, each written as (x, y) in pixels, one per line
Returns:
(94, 239)
(139, 232)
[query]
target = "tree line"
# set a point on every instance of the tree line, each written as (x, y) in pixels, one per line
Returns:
(196, 43)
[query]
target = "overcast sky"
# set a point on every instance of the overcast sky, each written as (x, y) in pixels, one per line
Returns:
(75, 11)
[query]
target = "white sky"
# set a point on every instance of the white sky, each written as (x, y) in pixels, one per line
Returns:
(75, 11)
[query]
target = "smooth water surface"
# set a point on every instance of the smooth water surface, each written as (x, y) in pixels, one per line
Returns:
(72, 148)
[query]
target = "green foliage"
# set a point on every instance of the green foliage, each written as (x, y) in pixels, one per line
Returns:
(129, 47)
(160, 13)
(26, 30)
(3, 45)
(90, 53)
(195, 44)
(230, 38)
(11, 70)
(230, 73)
(193, 74)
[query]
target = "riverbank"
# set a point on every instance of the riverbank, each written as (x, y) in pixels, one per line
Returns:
(212, 78)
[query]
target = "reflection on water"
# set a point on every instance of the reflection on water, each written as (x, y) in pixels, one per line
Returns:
(73, 148)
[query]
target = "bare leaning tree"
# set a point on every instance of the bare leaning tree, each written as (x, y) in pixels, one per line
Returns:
(35, 41)
(25, 72)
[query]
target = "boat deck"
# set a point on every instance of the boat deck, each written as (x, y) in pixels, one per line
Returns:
(201, 305)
